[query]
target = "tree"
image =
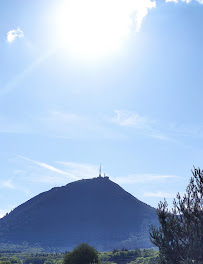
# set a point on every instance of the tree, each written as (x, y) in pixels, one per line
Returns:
(82, 254)
(49, 261)
(15, 260)
(180, 234)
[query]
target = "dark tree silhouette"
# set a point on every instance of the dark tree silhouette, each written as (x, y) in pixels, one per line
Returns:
(180, 234)
(82, 254)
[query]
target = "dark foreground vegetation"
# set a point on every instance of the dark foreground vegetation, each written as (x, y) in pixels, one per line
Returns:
(180, 234)
(124, 256)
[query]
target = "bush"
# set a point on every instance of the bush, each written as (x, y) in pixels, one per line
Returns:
(82, 254)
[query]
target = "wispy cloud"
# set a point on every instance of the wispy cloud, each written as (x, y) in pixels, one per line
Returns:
(7, 184)
(49, 178)
(144, 178)
(159, 194)
(130, 119)
(13, 34)
(13, 185)
(171, 132)
(163, 137)
(63, 173)
(81, 170)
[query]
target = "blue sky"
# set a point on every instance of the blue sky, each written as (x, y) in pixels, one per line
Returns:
(82, 84)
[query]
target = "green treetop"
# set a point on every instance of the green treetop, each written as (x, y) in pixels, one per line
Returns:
(82, 254)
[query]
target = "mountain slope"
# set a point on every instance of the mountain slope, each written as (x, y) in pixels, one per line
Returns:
(97, 211)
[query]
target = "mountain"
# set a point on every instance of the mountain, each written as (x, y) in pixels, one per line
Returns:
(96, 211)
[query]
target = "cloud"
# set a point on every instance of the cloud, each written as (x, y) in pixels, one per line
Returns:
(185, 1)
(129, 119)
(74, 126)
(129, 9)
(154, 128)
(142, 11)
(144, 178)
(3, 212)
(40, 172)
(175, 1)
(81, 170)
(7, 184)
(56, 175)
(13, 34)
(163, 137)
(159, 194)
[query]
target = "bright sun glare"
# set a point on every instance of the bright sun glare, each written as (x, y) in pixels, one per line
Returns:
(94, 28)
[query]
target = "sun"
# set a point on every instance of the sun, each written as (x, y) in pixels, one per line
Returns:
(92, 28)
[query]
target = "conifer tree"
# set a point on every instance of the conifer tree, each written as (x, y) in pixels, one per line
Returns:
(179, 236)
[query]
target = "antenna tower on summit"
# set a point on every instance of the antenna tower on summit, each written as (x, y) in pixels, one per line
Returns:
(100, 171)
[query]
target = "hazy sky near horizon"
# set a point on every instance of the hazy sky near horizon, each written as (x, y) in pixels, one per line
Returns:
(115, 82)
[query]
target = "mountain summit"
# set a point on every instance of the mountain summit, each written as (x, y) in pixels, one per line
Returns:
(96, 211)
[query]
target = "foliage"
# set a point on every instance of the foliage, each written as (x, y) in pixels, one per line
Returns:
(130, 256)
(82, 254)
(22, 257)
(117, 256)
(180, 234)
(49, 261)
(20, 247)
(35, 260)
(15, 260)
(146, 260)
(5, 262)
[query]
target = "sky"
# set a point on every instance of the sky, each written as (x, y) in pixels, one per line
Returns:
(84, 83)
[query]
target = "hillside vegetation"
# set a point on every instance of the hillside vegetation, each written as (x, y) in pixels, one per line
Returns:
(146, 256)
